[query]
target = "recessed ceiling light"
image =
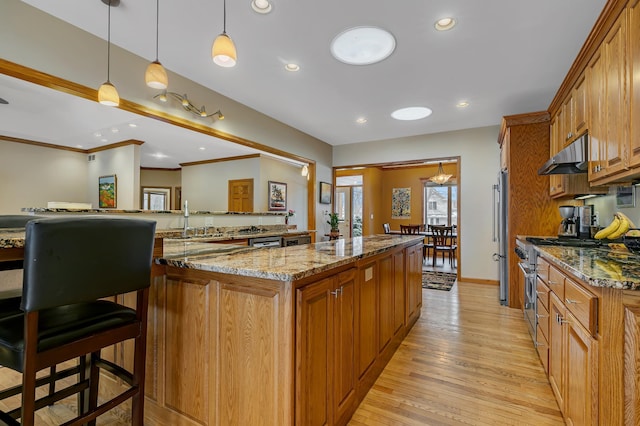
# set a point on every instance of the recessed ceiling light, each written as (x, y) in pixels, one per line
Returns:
(462, 104)
(363, 45)
(261, 6)
(97, 134)
(133, 125)
(361, 120)
(159, 155)
(78, 146)
(202, 148)
(411, 113)
(114, 130)
(103, 140)
(445, 24)
(292, 67)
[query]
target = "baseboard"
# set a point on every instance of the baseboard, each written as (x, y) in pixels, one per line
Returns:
(479, 281)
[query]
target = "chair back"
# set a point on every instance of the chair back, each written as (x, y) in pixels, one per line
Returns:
(70, 260)
(410, 229)
(441, 235)
(387, 228)
(16, 220)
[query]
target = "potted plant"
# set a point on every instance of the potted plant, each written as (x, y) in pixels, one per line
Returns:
(334, 222)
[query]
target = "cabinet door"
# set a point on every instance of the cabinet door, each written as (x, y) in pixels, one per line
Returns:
(555, 145)
(579, 107)
(366, 336)
(567, 121)
(399, 297)
(634, 83)
(414, 283)
(343, 316)
(615, 102)
(581, 406)
(312, 353)
(556, 349)
(596, 90)
(386, 304)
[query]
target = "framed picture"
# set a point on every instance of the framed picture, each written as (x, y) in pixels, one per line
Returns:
(626, 196)
(277, 196)
(107, 195)
(401, 203)
(325, 193)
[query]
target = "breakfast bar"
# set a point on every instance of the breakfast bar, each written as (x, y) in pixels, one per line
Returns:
(280, 336)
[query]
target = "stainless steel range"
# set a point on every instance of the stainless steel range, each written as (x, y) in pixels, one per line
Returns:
(528, 256)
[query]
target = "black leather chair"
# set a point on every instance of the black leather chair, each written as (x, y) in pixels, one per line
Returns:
(70, 263)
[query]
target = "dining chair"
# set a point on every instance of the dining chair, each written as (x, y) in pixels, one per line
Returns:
(387, 228)
(443, 243)
(410, 229)
(73, 268)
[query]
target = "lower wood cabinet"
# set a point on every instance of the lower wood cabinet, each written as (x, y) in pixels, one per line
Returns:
(414, 283)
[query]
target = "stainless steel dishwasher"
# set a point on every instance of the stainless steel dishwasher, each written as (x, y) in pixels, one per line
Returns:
(266, 242)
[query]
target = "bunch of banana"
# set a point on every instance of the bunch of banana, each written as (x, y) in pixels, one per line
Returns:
(617, 228)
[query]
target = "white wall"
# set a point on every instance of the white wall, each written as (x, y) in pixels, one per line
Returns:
(124, 162)
(278, 171)
(479, 160)
(31, 176)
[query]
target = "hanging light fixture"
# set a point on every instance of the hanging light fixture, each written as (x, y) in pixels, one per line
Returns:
(107, 94)
(305, 170)
(187, 105)
(441, 178)
(156, 76)
(223, 50)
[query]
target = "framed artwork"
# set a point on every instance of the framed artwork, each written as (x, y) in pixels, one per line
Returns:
(277, 196)
(107, 196)
(325, 193)
(401, 203)
(626, 196)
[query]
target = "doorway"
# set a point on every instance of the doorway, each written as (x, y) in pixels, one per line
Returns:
(349, 205)
(440, 208)
(241, 195)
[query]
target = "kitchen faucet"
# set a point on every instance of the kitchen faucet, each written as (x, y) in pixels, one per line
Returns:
(186, 218)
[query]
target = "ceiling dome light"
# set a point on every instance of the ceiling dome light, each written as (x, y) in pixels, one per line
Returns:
(411, 113)
(261, 6)
(292, 67)
(363, 45)
(462, 104)
(361, 120)
(445, 24)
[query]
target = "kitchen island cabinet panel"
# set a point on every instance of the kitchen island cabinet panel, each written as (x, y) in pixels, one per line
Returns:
(367, 317)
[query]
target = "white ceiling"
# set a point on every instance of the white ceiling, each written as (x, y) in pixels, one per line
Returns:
(504, 57)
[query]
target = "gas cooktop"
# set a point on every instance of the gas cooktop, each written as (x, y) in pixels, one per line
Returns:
(571, 242)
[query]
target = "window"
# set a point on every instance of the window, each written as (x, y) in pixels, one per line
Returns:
(441, 205)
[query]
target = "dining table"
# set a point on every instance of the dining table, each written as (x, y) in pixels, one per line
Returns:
(427, 235)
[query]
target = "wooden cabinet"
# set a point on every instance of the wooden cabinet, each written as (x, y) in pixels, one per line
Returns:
(573, 349)
(634, 83)
(579, 108)
(367, 314)
(326, 357)
(596, 90)
(555, 145)
(414, 283)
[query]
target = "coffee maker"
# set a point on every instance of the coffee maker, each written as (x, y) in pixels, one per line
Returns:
(570, 222)
(585, 217)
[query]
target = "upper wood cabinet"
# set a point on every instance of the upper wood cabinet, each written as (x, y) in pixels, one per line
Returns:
(579, 107)
(634, 83)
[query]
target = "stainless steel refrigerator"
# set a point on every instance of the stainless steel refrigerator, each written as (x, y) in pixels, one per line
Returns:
(500, 214)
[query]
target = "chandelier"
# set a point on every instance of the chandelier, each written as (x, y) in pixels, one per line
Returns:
(441, 178)
(187, 105)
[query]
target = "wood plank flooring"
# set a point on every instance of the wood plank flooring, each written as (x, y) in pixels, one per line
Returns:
(467, 361)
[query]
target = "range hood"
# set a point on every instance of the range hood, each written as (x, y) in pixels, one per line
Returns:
(573, 159)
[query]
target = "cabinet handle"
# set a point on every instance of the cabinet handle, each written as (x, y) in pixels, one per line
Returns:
(538, 344)
(570, 301)
(543, 293)
(563, 321)
(337, 292)
(541, 316)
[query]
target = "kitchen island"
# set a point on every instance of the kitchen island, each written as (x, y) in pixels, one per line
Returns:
(280, 336)
(588, 332)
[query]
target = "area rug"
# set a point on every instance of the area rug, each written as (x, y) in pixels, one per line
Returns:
(438, 280)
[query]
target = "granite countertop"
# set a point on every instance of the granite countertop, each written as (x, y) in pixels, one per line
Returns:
(282, 264)
(129, 211)
(597, 266)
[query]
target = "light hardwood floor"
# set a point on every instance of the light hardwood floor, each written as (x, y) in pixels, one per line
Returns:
(467, 361)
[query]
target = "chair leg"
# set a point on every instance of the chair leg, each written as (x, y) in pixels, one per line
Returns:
(94, 385)
(52, 385)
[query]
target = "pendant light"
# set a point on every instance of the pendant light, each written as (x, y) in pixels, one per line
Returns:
(441, 178)
(156, 76)
(223, 50)
(107, 94)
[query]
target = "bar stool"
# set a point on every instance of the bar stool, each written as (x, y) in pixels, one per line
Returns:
(69, 264)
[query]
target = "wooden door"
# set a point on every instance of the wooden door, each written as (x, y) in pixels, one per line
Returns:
(634, 83)
(596, 91)
(241, 195)
(556, 349)
(615, 102)
(581, 399)
(344, 371)
(367, 316)
(313, 320)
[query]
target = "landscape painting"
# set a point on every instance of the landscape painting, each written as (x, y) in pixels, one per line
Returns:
(277, 196)
(107, 192)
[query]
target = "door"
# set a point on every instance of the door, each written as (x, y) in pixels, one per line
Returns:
(556, 349)
(241, 195)
(349, 205)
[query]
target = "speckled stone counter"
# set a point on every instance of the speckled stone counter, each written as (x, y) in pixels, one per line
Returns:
(281, 264)
(598, 267)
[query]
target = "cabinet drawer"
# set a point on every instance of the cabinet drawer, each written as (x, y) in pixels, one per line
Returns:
(542, 346)
(542, 268)
(582, 304)
(543, 293)
(543, 319)
(556, 282)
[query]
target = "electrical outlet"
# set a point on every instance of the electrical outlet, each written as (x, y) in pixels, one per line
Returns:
(208, 221)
